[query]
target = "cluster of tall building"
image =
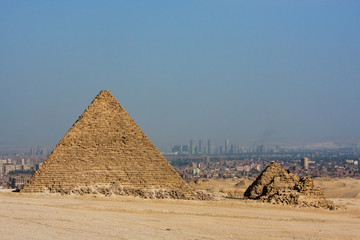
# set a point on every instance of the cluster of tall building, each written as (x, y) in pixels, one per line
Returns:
(199, 147)
(38, 151)
(195, 148)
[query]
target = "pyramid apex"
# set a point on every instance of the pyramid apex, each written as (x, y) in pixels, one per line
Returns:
(105, 95)
(104, 92)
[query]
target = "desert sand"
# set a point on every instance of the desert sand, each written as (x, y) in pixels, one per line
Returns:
(50, 216)
(339, 187)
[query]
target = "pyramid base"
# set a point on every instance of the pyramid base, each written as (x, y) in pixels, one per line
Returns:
(293, 198)
(120, 190)
(153, 193)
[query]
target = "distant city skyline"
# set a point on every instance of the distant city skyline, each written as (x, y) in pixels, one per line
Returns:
(229, 147)
(196, 147)
(257, 72)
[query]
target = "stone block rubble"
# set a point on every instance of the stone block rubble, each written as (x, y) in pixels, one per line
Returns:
(279, 186)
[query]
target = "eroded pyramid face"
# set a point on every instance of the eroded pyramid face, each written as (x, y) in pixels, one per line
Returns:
(104, 146)
(279, 186)
(272, 174)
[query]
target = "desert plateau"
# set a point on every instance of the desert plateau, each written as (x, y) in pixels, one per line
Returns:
(55, 216)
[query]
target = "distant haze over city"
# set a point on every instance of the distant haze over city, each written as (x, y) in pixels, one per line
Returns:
(257, 72)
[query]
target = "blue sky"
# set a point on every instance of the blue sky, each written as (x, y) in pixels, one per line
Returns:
(252, 71)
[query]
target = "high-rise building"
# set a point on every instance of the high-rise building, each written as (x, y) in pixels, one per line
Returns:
(44, 151)
(209, 147)
(192, 147)
(260, 149)
(31, 152)
(227, 145)
(205, 149)
(200, 147)
(305, 162)
(176, 148)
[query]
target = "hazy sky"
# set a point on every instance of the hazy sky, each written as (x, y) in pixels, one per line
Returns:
(252, 71)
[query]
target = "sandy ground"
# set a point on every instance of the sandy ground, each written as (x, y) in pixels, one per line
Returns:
(339, 187)
(40, 216)
(333, 187)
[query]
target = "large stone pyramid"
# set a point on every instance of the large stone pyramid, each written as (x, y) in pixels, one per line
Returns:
(279, 186)
(106, 152)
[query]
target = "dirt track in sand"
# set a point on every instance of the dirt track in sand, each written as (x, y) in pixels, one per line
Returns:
(26, 216)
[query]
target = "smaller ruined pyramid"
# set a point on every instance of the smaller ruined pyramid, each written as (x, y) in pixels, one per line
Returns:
(279, 186)
(106, 152)
(273, 174)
